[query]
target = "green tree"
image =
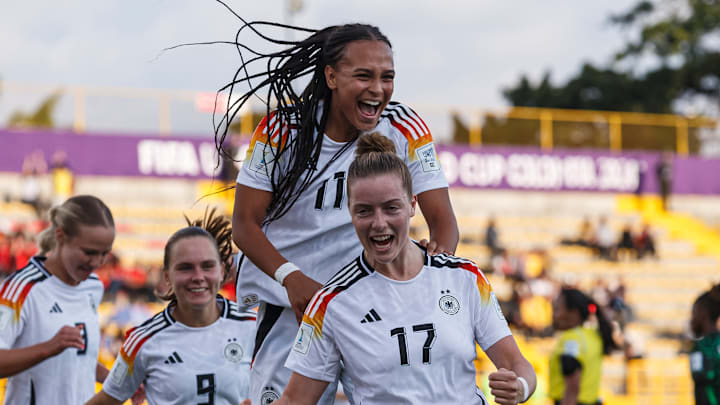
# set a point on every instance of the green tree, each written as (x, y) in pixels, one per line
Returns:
(42, 117)
(679, 36)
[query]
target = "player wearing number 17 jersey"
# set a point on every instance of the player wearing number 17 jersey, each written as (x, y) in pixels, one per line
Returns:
(404, 323)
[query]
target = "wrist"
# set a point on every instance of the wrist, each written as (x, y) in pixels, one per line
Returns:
(525, 389)
(284, 270)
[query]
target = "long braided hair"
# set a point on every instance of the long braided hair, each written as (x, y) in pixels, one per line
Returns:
(287, 110)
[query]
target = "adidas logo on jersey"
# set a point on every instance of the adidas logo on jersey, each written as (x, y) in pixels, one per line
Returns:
(173, 358)
(371, 316)
(55, 309)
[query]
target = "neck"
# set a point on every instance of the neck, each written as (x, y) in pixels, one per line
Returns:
(406, 265)
(338, 129)
(196, 317)
(54, 266)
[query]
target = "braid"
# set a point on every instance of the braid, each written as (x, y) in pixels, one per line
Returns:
(285, 109)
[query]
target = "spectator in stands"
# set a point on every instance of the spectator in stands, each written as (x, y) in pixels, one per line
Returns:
(33, 167)
(49, 329)
(63, 180)
(626, 245)
(664, 172)
(585, 237)
(645, 242)
(705, 354)
(576, 361)
(605, 238)
(492, 239)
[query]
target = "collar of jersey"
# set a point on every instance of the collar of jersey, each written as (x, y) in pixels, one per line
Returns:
(224, 308)
(369, 269)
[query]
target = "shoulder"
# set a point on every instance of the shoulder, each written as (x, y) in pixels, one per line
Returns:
(274, 127)
(232, 311)
(462, 268)
(16, 288)
(342, 281)
(406, 121)
(138, 336)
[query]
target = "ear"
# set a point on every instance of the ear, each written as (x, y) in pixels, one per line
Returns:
(60, 236)
(330, 77)
(413, 203)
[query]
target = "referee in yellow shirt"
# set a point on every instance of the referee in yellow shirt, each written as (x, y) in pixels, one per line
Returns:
(576, 361)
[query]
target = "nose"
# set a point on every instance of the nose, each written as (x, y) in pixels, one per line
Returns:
(378, 221)
(375, 87)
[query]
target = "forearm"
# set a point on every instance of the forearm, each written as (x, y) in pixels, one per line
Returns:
(101, 372)
(13, 361)
(572, 389)
(525, 370)
(252, 241)
(437, 210)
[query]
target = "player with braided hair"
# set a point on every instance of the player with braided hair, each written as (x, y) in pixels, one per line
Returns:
(290, 217)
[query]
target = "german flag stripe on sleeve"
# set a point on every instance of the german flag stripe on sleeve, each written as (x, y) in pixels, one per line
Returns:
(409, 123)
(15, 289)
(315, 313)
(137, 336)
(454, 262)
(271, 130)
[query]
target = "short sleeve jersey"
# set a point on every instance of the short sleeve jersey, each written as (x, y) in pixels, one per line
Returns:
(705, 369)
(401, 342)
(186, 365)
(316, 233)
(585, 345)
(34, 306)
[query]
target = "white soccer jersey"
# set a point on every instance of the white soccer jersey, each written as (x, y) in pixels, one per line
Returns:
(316, 234)
(34, 305)
(401, 342)
(185, 365)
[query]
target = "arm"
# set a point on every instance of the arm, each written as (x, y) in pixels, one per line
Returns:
(248, 214)
(302, 390)
(101, 398)
(511, 364)
(13, 361)
(101, 372)
(572, 388)
(439, 215)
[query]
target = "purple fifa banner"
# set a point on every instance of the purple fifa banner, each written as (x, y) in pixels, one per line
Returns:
(489, 167)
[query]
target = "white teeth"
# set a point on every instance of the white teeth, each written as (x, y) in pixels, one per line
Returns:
(372, 103)
(381, 238)
(197, 289)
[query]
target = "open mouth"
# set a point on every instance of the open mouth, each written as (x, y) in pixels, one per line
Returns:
(369, 109)
(382, 242)
(197, 290)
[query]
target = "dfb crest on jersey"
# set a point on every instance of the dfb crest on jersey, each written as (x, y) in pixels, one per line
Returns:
(268, 396)
(233, 351)
(448, 303)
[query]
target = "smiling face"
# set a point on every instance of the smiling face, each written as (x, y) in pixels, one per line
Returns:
(362, 84)
(381, 210)
(194, 272)
(80, 255)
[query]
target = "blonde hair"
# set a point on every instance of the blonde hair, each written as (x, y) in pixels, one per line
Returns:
(69, 216)
(375, 155)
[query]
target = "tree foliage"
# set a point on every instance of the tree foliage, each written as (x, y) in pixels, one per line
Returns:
(678, 39)
(42, 117)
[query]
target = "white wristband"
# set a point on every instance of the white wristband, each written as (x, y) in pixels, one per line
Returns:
(283, 271)
(526, 389)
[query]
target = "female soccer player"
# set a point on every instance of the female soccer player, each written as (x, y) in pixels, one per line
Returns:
(403, 322)
(576, 361)
(290, 216)
(198, 349)
(49, 330)
(705, 355)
